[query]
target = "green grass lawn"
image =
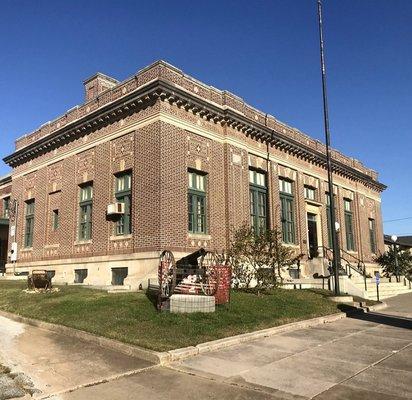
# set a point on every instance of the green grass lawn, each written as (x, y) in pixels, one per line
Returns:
(132, 318)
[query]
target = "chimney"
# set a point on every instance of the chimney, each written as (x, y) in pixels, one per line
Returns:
(97, 84)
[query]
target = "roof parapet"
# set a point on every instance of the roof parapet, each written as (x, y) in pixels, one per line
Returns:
(98, 83)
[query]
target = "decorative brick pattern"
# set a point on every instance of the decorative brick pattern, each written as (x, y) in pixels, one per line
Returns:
(158, 144)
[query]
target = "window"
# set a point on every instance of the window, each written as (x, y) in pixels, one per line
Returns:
(51, 273)
(55, 220)
(372, 235)
(196, 199)
(123, 195)
(119, 275)
(309, 193)
(80, 275)
(258, 201)
(86, 204)
(29, 228)
(6, 207)
(350, 239)
(287, 211)
(285, 186)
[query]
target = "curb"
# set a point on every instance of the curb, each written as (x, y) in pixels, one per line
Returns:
(164, 358)
(191, 351)
(376, 307)
(131, 350)
(186, 352)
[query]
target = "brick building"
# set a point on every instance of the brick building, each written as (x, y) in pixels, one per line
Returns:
(187, 163)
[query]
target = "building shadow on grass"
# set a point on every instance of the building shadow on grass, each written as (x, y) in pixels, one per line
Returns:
(152, 296)
(377, 318)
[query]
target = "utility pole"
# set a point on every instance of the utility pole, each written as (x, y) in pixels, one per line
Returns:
(332, 212)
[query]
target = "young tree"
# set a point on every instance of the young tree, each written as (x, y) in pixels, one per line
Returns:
(387, 262)
(239, 255)
(259, 257)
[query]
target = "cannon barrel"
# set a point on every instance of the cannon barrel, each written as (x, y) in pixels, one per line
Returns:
(191, 259)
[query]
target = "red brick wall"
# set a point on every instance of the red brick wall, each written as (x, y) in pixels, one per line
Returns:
(159, 155)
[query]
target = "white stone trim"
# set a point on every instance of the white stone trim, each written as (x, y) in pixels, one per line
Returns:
(179, 123)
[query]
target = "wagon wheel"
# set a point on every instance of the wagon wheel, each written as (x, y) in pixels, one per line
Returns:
(209, 276)
(167, 274)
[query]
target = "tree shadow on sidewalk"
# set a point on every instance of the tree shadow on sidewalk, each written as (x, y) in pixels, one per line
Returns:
(378, 318)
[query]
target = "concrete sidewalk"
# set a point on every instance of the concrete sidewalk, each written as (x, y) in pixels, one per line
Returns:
(56, 362)
(368, 356)
(364, 357)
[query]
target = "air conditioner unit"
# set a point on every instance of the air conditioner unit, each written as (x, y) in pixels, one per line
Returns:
(115, 208)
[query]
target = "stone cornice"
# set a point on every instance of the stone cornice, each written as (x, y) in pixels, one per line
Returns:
(132, 96)
(5, 180)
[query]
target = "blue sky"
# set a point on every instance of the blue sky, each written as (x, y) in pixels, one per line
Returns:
(264, 51)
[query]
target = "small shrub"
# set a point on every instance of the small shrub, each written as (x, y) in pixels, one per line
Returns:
(259, 258)
(387, 262)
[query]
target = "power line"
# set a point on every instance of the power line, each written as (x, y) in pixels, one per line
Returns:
(398, 219)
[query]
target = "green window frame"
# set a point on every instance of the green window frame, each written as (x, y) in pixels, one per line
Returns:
(29, 223)
(6, 207)
(350, 238)
(123, 194)
(372, 235)
(86, 211)
(287, 209)
(258, 201)
(196, 199)
(309, 193)
(55, 220)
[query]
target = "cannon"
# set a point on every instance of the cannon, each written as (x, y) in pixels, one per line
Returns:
(194, 274)
(191, 260)
(39, 279)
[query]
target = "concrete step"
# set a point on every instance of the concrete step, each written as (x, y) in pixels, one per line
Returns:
(381, 297)
(385, 295)
(389, 290)
(384, 286)
(317, 285)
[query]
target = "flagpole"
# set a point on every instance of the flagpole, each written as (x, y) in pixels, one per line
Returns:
(332, 211)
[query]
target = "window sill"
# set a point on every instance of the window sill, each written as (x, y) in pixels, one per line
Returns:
(120, 237)
(79, 242)
(201, 236)
(313, 202)
(26, 249)
(294, 245)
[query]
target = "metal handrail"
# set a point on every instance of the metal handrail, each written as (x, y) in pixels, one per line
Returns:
(360, 268)
(360, 264)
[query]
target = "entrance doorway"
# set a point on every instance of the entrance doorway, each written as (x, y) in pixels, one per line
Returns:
(4, 236)
(312, 235)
